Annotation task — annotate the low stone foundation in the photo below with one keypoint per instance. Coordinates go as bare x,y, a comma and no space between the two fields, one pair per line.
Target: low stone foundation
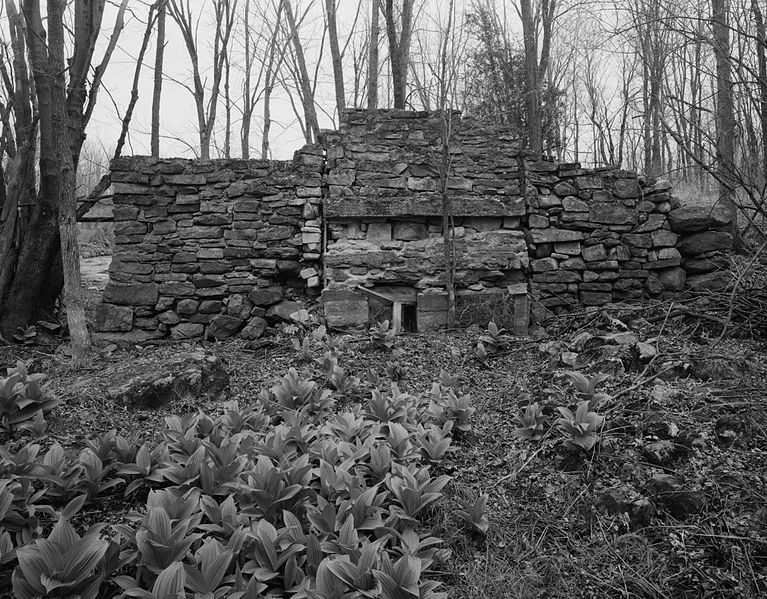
221,248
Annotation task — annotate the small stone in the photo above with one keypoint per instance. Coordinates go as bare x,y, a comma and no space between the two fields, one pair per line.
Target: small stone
406,231
187,307
379,232
187,330
564,189
626,188
265,297
573,204
254,329
211,307
571,248
111,318
543,265
691,219
664,238
131,294
223,327
169,318
283,310
707,241
594,253
538,221
673,279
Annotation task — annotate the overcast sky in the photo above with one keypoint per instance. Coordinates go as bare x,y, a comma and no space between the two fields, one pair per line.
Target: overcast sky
178,118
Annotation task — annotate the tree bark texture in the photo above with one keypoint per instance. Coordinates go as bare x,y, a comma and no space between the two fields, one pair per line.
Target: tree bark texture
375,31
399,48
159,59
67,204
306,92
725,110
335,54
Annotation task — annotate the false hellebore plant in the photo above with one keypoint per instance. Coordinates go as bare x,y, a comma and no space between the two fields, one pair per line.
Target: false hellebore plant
581,426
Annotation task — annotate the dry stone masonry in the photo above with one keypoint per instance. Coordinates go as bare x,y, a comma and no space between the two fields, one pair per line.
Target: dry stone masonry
384,205
211,247
219,248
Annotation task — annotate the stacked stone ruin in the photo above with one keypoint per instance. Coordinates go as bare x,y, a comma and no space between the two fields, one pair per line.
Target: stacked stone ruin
211,247
217,248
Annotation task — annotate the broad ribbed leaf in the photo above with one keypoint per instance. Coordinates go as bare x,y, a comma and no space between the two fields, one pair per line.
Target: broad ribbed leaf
170,582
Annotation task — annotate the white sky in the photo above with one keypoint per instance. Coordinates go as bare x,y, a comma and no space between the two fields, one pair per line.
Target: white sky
178,119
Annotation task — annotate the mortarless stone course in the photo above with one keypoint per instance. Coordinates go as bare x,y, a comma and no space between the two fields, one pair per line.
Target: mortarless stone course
218,248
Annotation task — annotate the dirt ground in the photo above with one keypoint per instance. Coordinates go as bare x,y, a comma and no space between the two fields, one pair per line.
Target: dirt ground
670,502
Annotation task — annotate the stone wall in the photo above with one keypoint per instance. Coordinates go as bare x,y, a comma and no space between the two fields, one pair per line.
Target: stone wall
384,211
608,235
211,247
217,248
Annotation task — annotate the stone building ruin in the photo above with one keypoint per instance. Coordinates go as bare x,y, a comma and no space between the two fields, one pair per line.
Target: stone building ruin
218,248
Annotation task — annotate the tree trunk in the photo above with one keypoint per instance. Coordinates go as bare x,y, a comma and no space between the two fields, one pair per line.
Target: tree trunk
306,91
29,294
399,49
373,60
761,49
157,89
136,77
73,294
335,53
725,111
247,104
535,68
269,78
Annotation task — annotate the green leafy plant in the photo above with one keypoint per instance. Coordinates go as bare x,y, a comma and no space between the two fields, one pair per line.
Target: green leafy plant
381,336
586,387
435,441
147,469
62,565
473,513
458,408
295,393
207,577
22,396
530,423
494,339
581,427
162,541
95,477
303,348
169,584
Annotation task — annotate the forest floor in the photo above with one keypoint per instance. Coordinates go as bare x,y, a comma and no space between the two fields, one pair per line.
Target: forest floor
670,502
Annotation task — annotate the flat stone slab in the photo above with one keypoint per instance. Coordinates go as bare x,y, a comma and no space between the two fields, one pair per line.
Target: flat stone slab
423,204
194,375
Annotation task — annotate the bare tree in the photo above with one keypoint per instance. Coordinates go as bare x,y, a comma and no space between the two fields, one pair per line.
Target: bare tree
43,253
158,78
373,57
301,75
536,66
725,122
224,10
335,53
399,35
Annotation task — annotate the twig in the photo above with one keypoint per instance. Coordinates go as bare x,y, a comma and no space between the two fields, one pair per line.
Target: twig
735,290
642,382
